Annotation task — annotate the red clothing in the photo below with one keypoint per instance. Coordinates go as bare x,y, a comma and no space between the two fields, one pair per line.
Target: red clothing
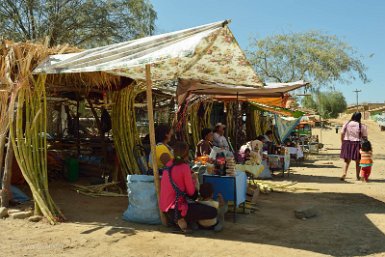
365,172
181,174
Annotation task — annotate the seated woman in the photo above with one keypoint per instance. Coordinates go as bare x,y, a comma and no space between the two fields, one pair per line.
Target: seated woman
206,144
164,153
175,190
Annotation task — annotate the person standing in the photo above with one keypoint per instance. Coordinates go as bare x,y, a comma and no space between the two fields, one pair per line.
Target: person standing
337,128
366,162
352,134
219,137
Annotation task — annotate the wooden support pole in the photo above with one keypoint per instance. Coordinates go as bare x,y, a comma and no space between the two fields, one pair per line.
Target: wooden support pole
151,127
2,147
78,125
6,180
236,128
101,133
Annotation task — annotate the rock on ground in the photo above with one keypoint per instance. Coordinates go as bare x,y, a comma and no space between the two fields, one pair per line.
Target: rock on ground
3,212
305,212
35,218
21,215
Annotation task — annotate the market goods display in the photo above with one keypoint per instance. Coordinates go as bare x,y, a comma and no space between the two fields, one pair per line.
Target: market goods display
230,166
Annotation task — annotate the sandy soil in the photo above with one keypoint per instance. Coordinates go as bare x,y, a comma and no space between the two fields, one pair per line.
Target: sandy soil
350,221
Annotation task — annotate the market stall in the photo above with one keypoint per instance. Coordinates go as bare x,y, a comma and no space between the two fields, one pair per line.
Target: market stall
155,61
198,56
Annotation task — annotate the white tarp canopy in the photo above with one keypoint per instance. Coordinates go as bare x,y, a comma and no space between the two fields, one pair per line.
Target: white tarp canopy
207,53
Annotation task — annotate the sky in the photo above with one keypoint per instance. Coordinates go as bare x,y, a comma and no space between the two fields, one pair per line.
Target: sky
360,23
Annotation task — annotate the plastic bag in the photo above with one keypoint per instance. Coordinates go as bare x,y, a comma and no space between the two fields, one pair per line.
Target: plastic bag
143,204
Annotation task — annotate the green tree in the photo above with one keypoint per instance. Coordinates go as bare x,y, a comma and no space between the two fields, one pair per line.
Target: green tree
85,23
309,102
313,56
328,104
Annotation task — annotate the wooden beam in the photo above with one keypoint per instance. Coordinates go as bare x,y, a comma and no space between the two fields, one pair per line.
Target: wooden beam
78,125
6,180
151,127
98,122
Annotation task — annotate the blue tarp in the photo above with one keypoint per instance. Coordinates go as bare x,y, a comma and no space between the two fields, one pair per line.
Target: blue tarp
285,126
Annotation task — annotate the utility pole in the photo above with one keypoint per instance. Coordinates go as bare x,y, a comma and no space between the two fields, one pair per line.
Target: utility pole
357,91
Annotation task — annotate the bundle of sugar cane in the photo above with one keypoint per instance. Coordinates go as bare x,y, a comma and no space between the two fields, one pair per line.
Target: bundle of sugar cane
267,187
230,119
206,122
30,145
124,128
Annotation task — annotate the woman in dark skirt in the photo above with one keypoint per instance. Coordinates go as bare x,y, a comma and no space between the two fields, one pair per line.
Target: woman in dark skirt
352,133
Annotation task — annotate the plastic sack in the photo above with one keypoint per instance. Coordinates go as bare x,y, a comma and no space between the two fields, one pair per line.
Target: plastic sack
266,173
18,195
143,204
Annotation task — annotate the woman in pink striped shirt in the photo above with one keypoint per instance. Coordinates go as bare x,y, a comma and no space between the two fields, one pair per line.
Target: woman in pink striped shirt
352,133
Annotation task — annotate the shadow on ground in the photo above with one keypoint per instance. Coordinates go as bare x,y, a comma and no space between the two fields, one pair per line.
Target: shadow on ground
351,233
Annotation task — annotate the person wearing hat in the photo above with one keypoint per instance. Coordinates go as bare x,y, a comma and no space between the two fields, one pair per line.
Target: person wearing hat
219,138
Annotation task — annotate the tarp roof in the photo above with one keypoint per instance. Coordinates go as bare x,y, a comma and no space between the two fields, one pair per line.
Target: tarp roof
230,92
208,53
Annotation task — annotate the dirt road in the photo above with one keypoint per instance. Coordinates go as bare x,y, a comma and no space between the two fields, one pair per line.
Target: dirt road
350,221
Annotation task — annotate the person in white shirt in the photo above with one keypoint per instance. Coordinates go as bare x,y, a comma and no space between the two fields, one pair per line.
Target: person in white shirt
219,138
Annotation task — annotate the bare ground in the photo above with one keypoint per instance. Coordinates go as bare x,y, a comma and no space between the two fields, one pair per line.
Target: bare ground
350,221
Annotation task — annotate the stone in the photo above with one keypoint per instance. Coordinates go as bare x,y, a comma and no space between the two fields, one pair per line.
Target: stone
305,212
3,212
10,211
21,215
35,218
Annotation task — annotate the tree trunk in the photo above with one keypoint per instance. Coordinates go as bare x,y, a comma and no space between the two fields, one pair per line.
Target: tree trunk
6,181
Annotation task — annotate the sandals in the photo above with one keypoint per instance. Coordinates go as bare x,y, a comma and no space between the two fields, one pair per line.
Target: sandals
182,224
343,178
182,231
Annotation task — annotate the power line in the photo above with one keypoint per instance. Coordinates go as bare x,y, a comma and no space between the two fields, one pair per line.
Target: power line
357,91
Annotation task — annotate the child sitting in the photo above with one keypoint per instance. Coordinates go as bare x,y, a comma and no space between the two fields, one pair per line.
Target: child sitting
206,192
366,161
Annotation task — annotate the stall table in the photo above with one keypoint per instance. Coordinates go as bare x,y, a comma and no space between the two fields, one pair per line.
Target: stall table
232,188
296,152
280,162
